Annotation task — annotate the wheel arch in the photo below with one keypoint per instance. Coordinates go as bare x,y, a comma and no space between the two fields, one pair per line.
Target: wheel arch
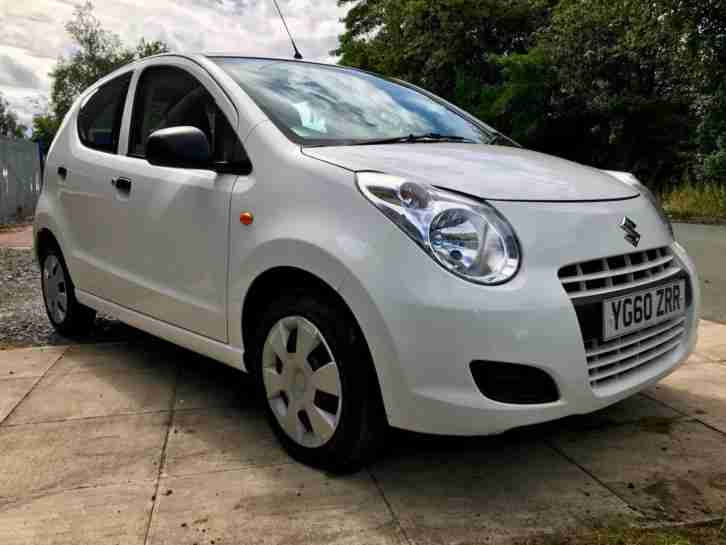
287,276
45,239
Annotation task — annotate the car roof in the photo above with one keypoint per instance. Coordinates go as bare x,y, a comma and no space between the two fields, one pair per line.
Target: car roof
213,55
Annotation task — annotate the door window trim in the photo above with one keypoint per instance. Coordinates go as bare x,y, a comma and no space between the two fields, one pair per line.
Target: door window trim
224,168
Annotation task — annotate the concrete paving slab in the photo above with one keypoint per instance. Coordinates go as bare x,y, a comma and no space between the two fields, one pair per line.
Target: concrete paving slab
11,392
94,394
696,389
28,362
281,504
672,471
205,383
449,490
221,439
712,340
118,357
116,514
89,452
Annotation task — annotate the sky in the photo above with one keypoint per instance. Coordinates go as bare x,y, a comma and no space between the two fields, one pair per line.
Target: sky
32,34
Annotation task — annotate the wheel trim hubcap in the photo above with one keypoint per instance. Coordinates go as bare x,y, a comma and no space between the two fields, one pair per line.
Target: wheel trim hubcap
56,289
302,381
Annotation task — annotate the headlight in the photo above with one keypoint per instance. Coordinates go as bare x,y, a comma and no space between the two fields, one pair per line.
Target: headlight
467,237
633,182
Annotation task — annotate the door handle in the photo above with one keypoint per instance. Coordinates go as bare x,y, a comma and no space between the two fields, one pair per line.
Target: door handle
62,172
122,185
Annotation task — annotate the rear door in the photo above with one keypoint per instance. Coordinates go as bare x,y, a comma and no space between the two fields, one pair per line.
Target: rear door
88,162
177,232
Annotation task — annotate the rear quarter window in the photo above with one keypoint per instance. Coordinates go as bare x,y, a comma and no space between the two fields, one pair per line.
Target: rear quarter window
99,119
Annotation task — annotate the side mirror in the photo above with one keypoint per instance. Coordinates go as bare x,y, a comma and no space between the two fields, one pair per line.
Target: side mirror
181,147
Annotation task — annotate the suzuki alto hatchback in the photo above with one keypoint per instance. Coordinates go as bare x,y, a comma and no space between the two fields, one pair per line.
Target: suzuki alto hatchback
371,254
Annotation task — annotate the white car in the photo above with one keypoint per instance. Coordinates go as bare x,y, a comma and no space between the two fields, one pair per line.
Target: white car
371,254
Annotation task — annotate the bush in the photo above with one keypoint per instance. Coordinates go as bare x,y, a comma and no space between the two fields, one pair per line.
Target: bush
696,200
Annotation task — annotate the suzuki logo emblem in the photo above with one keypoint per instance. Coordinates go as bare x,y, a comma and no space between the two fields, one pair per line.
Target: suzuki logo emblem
631,235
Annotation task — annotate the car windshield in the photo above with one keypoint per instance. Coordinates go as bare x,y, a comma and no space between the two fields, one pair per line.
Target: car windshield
327,105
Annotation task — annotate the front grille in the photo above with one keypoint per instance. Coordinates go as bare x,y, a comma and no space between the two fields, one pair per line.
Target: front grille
589,283
609,274
608,361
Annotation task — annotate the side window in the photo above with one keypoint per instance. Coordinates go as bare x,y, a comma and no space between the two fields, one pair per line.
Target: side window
99,120
170,97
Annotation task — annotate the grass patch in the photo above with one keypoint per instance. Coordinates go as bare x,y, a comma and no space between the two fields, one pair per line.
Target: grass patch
705,534
689,201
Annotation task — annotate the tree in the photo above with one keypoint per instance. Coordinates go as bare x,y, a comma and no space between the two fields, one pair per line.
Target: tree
98,52
633,82
521,104
9,125
446,46
45,126
709,39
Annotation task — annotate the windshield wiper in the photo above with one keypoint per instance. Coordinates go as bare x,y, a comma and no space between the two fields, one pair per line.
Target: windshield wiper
414,138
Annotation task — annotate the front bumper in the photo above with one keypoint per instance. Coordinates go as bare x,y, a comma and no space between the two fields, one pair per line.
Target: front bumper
432,325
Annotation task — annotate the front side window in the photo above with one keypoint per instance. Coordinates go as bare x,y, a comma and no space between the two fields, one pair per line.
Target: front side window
99,119
171,97
328,105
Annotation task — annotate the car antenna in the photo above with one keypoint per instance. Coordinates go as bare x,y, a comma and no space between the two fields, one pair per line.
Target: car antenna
297,54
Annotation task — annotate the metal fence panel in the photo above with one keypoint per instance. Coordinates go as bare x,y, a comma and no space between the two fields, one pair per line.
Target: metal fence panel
20,178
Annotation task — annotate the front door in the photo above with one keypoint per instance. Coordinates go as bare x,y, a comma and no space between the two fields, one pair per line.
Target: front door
177,236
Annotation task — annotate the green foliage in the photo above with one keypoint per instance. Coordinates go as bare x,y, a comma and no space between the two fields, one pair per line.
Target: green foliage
9,125
712,136
434,43
626,73
715,163
45,126
98,52
520,104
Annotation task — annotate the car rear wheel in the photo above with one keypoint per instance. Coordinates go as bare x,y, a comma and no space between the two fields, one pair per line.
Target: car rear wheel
314,371
68,316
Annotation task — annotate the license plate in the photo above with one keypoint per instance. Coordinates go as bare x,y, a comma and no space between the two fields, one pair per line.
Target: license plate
622,315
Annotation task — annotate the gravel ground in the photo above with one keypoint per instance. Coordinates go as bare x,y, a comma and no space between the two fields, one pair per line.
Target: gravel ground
23,321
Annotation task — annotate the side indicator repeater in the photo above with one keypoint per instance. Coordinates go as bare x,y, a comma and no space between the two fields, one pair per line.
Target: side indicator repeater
246,218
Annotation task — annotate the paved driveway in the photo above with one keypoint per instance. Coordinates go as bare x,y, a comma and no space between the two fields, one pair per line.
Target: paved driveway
16,237
148,443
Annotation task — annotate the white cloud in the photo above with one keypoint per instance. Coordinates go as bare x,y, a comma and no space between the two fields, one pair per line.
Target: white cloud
33,36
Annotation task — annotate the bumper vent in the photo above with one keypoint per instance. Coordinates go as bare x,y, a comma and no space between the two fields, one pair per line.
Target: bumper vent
514,383
589,283
610,274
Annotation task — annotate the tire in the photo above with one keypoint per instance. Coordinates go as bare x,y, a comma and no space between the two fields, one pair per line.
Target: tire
340,436
69,317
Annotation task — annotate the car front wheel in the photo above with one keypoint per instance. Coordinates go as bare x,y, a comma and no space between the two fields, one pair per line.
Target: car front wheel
318,381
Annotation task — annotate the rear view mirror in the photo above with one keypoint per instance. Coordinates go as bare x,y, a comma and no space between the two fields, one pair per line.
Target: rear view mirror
181,147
